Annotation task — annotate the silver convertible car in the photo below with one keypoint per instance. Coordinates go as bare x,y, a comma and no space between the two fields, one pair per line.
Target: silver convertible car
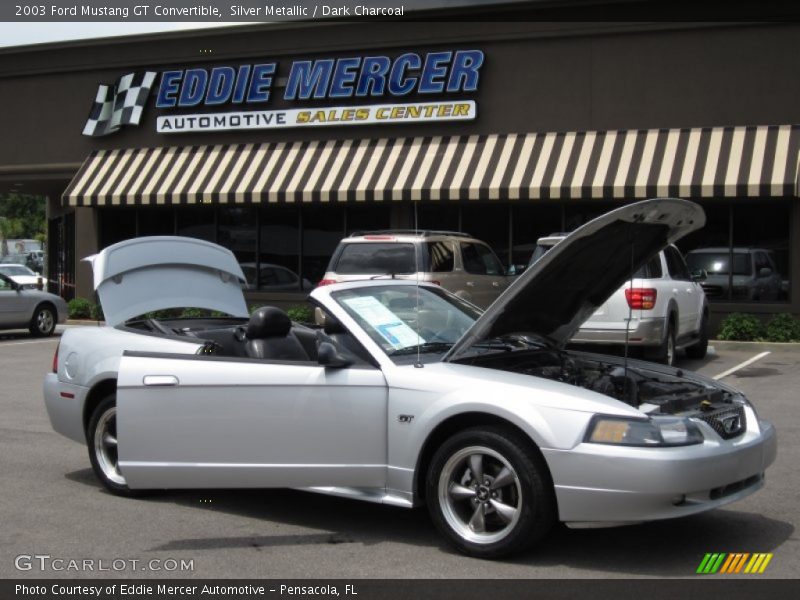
407,395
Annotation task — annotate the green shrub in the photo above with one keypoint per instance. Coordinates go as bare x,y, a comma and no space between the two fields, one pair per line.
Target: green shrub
741,327
194,313
783,328
302,313
80,308
97,312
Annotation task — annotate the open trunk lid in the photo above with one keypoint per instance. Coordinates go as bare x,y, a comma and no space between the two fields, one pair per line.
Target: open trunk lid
144,274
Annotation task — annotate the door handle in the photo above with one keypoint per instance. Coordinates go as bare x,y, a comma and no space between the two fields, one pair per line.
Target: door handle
160,380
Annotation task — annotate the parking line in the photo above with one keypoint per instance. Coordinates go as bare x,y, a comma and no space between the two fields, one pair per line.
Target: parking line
3,344
746,363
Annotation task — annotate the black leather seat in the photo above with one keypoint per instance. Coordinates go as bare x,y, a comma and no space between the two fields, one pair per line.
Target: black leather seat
344,339
269,336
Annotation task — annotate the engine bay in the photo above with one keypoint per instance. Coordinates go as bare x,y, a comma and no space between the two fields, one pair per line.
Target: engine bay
649,391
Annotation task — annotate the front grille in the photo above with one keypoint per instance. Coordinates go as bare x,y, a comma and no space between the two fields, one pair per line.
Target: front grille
727,422
732,488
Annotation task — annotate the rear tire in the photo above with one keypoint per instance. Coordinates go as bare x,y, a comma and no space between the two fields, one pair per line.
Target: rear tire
101,438
665,353
489,493
699,350
43,322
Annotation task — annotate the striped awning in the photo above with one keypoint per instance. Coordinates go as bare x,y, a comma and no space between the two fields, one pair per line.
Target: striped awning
689,163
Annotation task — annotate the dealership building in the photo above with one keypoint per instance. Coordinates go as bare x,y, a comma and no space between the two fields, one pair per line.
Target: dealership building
277,140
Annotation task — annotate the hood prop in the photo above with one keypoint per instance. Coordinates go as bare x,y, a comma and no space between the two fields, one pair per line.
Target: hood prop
628,328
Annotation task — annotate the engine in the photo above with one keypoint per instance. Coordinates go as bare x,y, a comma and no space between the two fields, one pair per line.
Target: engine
648,391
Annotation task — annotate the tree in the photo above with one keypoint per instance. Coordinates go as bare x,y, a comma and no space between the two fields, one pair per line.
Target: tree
21,216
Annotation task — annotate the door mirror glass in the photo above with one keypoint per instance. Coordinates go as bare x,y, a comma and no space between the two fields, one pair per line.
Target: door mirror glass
764,272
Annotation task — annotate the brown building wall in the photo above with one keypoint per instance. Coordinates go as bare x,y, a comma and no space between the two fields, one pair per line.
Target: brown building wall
535,78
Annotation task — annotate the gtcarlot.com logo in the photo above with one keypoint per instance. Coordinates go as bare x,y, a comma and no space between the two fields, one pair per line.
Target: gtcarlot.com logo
45,562
734,563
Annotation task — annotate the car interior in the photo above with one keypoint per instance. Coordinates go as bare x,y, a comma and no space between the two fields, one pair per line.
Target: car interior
269,334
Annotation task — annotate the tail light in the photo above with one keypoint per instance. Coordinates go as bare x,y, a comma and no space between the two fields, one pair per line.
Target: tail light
55,359
641,298
326,282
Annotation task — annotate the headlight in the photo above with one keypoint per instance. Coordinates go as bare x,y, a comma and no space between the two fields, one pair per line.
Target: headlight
656,431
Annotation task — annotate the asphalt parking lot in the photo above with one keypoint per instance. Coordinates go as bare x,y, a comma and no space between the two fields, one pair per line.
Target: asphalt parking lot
51,504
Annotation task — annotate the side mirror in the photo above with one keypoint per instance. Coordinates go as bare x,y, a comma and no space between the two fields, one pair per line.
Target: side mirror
699,275
329,356
764,272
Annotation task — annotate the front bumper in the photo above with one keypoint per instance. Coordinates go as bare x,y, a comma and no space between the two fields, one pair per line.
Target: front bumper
643,332
603,483
64,403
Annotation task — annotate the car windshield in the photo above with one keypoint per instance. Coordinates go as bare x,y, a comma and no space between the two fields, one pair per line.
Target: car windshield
16,270
718,263
403,320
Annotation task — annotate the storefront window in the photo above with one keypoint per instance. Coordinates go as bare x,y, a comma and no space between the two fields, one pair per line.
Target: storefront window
744,251
156,221
531,222
116,224
488,223
440,216
237,232
197,222
367,218
279,250
323,228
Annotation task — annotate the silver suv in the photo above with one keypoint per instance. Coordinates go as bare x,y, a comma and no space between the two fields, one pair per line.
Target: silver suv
458,262
665,304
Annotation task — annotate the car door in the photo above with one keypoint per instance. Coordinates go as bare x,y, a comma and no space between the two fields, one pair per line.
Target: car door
14,304
204,421
484,275
687,293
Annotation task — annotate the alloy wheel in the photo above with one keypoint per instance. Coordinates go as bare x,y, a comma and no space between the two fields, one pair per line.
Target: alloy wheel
480,495
106,446
45,321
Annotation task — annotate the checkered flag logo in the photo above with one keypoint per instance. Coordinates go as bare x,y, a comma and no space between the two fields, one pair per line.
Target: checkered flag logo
120,104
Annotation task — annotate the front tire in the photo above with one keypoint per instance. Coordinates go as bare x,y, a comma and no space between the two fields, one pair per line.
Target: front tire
43,322
698,351
101,437
489,493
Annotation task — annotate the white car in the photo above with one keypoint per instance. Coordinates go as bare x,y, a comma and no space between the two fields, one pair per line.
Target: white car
659,309
23,276
409,395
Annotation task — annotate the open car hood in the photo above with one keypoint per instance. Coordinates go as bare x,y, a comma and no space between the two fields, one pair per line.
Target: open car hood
154,273
563,288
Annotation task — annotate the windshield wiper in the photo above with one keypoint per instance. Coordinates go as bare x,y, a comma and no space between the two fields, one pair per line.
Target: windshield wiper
423,348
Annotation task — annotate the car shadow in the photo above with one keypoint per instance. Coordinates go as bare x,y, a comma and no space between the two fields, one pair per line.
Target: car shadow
13,335
674,547
662,548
